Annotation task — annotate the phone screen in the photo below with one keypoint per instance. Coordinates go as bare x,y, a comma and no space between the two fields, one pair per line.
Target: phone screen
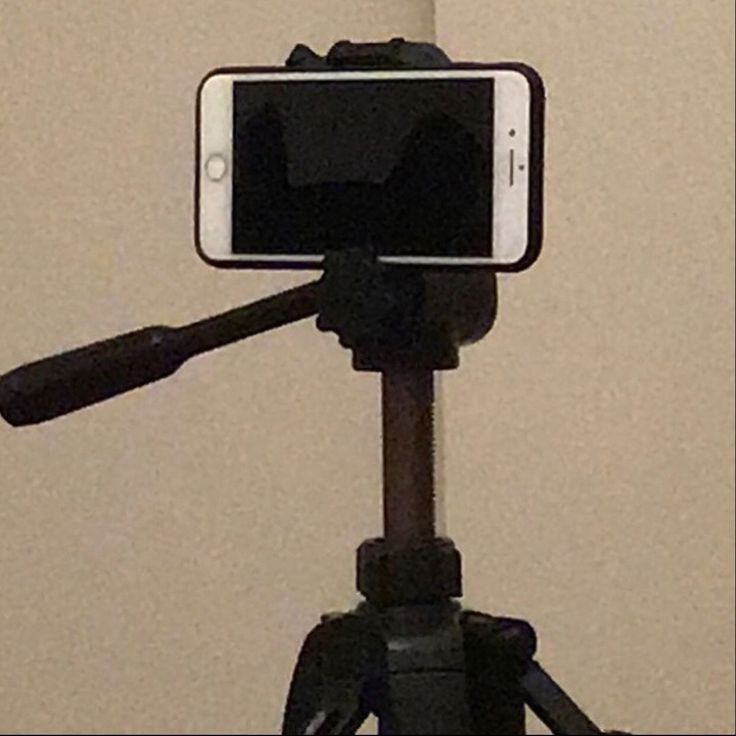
404,167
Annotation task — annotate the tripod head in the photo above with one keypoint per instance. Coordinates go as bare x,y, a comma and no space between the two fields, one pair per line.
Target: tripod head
389,319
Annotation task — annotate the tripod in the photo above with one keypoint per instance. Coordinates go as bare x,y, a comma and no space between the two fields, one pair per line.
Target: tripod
409,653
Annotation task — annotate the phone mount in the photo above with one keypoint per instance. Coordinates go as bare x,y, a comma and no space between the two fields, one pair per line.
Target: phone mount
409,653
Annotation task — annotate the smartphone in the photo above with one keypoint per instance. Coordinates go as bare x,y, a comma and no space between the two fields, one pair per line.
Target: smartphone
428,167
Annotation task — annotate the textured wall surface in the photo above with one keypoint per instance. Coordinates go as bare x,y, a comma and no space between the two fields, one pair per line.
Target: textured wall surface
163,555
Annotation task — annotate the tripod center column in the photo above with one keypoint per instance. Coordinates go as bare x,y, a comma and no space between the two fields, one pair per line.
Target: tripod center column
408,456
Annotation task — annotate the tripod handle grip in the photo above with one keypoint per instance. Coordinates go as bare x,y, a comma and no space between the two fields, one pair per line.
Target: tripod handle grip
62,383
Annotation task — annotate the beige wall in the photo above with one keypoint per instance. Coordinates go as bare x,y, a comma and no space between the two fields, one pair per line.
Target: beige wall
162,556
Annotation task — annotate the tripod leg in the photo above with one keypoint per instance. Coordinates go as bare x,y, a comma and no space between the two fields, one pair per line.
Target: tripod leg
495,650
327,690
503,677
552,705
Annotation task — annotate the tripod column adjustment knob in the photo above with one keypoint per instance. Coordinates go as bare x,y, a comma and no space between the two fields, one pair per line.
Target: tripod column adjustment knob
424,573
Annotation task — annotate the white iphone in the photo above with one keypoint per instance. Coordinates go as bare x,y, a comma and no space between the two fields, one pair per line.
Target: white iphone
438,167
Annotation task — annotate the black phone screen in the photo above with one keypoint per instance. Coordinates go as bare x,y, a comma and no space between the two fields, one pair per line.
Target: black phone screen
404,167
